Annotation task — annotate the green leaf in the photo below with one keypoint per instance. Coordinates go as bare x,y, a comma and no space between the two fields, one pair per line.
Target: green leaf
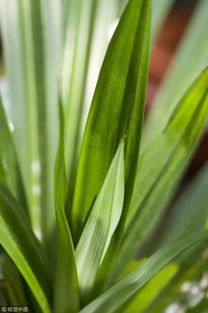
189,213
161,166
83,14
123,290
101,223
189,60
24,249
193,264
7,241
12,41
13,282
10,166
117,109
143,298
66,297
50,46
29,51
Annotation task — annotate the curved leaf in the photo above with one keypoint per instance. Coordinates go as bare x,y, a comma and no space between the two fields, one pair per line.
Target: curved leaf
161,166
9,244
123,290
189,60
22,243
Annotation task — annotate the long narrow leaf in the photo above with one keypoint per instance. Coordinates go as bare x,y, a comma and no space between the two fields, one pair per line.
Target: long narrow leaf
13,281
113,298
12,40
66,297
50,46
101,223
189,60
190,212
14,221
162,164
143,298
7,241
83,14
117,109
10,162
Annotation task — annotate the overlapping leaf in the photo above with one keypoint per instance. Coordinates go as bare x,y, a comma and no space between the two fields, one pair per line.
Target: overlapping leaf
189,60
10,167
190,212
101,223
24,249
123,290
116,110
29,51
143,298
66,293
162,164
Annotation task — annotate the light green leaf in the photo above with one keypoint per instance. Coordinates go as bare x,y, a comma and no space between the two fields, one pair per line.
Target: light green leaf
7,241
66,297
24,249
12,40
193,264
10,166
101,223
143,298
83,14
190,212
123,290
161,166
190,59
117,109
29,51
50,46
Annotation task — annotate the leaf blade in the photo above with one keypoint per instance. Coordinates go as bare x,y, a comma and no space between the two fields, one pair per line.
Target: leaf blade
165,160
14,219
66,293
193,50
101,224
15,253
109,118
113,298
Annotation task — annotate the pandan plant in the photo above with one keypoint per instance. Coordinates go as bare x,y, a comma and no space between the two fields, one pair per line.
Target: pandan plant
81,203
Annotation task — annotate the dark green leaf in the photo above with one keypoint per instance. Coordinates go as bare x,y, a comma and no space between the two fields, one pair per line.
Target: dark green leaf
24,249
117,109
66,297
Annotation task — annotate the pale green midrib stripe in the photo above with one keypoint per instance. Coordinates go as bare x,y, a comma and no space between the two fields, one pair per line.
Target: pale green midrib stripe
77,137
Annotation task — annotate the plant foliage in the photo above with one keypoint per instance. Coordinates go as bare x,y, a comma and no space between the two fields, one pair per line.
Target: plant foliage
81,197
